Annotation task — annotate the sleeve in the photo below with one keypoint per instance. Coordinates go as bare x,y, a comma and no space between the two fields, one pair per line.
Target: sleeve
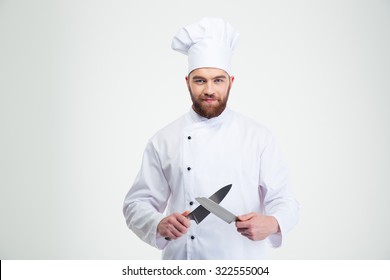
275,190
146,200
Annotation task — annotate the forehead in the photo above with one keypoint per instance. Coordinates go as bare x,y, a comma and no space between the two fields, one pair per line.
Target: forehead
208,72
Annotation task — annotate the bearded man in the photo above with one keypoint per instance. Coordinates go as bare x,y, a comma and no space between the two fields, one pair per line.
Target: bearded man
209,147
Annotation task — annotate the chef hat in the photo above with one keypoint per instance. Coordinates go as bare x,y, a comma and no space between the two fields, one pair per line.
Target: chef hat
208,43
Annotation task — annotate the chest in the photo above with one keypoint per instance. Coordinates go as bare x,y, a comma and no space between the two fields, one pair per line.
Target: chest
220,154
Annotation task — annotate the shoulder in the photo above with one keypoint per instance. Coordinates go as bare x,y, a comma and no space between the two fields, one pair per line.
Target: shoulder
257,134
170,131
250,125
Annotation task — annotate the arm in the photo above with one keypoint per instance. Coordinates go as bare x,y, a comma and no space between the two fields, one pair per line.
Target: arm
147,199
280,207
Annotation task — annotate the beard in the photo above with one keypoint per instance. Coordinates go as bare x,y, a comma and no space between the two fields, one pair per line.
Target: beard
209,110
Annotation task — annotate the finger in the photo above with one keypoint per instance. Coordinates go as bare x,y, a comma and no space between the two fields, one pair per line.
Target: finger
241,230
171,227
183,220
242,225
178,229
176,233
185,213
181,223
246,217
174,230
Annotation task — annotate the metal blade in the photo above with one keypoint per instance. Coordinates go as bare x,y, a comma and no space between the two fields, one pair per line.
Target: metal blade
216,209
200,212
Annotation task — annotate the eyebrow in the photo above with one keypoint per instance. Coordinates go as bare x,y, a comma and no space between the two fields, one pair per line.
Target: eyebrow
203,78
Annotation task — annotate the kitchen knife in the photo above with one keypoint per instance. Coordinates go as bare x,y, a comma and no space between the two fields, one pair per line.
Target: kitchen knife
216,209
200,212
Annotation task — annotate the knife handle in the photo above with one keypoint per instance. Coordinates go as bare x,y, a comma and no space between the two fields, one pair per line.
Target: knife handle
185,214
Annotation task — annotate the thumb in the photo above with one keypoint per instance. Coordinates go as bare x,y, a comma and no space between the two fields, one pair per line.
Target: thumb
185,213
246,217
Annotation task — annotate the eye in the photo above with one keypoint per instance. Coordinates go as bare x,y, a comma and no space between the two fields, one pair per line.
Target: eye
218,81
199,81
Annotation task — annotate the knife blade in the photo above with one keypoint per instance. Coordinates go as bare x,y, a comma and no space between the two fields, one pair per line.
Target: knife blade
200,212
217,209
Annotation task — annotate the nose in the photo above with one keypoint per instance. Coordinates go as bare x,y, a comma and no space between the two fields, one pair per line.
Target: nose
209,89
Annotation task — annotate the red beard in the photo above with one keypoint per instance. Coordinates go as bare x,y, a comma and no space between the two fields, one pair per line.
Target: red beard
209,110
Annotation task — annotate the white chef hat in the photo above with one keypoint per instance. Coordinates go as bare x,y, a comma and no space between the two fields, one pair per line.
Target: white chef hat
208,43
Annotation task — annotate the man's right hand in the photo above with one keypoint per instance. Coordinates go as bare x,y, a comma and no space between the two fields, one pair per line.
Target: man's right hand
174,225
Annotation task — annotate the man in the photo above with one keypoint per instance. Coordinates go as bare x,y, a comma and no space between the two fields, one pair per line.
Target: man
204,150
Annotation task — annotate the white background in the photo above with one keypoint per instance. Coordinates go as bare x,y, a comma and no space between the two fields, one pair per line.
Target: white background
84,84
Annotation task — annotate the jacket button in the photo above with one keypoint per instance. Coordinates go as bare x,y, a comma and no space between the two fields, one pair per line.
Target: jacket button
188,168
192,237
191,202
189,137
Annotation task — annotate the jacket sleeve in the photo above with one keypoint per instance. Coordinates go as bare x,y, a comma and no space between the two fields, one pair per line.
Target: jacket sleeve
276,191
146,200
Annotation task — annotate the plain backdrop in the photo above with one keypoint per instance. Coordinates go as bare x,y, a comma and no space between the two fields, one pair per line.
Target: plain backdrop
84,85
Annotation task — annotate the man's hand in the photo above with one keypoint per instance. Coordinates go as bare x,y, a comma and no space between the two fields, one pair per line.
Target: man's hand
174,225
256,226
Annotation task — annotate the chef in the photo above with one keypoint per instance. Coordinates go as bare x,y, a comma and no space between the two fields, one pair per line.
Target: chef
209,147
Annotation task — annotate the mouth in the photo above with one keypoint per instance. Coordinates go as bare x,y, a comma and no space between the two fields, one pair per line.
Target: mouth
209,100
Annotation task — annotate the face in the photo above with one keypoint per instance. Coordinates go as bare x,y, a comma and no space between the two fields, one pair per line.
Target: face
209,89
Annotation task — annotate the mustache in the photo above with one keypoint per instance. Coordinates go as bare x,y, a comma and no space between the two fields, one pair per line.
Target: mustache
208,96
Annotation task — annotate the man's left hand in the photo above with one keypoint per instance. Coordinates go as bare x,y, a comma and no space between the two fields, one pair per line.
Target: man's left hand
256,226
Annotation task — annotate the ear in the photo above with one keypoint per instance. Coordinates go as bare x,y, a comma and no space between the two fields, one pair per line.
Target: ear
187,82
231,79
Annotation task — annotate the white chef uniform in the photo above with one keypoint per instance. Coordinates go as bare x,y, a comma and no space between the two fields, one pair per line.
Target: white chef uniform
194,157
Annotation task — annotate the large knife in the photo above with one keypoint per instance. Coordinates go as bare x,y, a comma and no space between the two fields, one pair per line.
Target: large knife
200,212
217,209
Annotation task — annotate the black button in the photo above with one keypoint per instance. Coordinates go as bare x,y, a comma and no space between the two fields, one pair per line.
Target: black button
192,237
191,202
189,137
188,168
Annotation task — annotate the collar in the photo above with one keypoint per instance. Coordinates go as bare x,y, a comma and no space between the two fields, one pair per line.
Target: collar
196,118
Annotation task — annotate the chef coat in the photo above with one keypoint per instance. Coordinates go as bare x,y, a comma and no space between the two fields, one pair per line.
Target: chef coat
194,157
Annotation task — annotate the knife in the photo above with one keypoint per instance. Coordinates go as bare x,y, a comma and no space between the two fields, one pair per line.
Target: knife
200,212
217,209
